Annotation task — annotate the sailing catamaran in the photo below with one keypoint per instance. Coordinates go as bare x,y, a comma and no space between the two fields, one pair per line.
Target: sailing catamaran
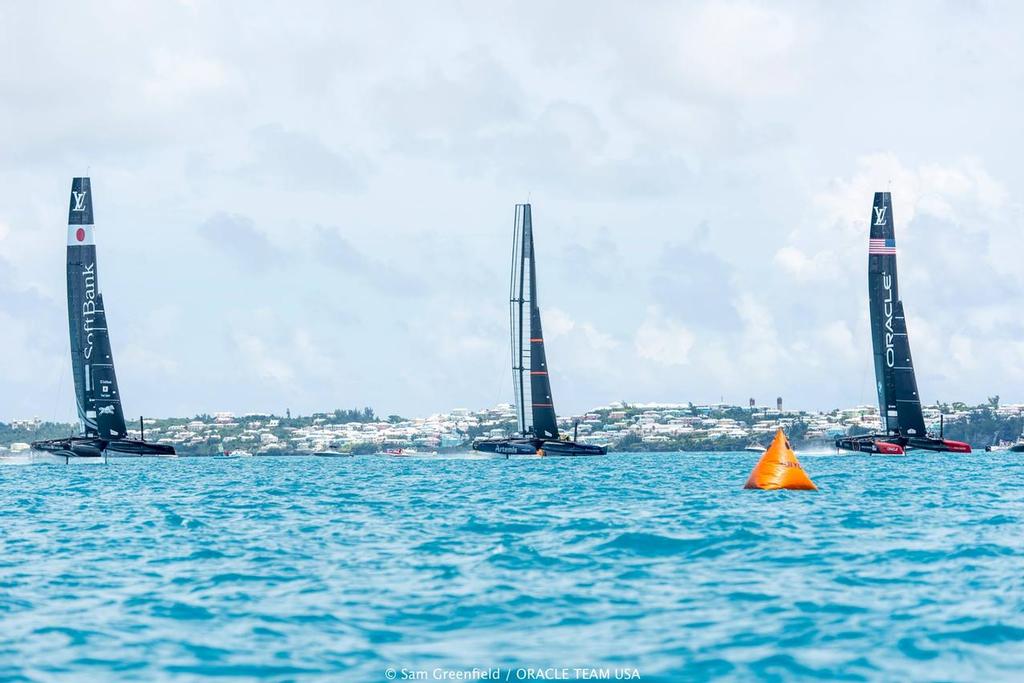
898,401
535,411
96,394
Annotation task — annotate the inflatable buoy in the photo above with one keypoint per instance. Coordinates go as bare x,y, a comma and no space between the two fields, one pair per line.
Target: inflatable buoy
778,468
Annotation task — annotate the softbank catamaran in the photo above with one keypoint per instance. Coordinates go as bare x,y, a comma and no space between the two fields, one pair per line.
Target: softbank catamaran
96,394
535,411
898,400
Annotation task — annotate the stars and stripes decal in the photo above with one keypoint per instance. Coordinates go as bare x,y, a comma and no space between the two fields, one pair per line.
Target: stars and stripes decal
881,247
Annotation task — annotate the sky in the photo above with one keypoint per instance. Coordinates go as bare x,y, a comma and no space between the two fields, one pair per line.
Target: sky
309,205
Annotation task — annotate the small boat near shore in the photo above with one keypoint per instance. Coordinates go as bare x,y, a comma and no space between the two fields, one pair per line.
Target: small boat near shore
331,454
404,453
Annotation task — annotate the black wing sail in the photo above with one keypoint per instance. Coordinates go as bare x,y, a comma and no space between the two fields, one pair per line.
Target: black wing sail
898,400
534,408
908,403
96,393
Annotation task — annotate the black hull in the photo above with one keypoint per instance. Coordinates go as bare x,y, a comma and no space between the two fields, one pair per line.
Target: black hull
547,448
139,448
95,447
571,449
887,444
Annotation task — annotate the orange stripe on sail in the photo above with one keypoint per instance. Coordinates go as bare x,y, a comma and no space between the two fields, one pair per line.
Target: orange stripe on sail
538,372
536,340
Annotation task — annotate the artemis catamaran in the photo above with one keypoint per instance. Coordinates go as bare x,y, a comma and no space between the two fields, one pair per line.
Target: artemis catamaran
96,393
898,401
535,410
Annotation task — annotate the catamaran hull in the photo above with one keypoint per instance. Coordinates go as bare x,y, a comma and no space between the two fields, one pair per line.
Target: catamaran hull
93,447
884,444
541,447
571,449
34,457
507,446
130,448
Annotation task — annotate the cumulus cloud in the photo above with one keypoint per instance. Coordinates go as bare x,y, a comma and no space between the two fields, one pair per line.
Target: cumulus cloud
238,237
663,340
335,251
301,161
701,175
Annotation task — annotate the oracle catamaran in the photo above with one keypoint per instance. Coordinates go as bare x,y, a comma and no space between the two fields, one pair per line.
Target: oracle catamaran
101,419
535,411
898,401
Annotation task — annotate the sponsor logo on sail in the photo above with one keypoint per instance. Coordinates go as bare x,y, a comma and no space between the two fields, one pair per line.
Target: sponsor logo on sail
887,309
79,198
106,410
880,215
89,309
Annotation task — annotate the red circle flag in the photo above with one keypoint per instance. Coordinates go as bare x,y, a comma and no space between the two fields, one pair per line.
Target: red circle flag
80,235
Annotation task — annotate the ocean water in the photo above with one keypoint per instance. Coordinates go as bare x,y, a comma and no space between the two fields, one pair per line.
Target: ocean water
341,569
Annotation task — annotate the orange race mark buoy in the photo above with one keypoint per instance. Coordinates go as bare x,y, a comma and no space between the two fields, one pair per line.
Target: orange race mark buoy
778,468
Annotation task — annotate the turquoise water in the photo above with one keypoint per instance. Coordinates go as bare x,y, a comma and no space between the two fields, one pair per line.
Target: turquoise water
337,569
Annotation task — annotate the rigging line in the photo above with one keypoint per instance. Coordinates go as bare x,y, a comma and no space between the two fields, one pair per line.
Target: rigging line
500,392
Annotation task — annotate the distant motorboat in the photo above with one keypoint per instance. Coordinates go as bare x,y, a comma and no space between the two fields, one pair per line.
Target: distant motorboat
404,452
754,448
332,454
239,453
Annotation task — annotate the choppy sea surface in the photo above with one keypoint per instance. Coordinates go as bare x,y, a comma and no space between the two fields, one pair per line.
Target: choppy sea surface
341,569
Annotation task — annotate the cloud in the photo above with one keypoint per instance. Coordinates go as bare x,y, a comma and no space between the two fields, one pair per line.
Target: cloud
257,356
177,77
238,237
741,49
339,254
699,171
691,281
663,340
301,161
585,335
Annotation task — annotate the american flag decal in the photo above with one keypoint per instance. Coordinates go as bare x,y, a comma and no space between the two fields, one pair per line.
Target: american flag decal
881,247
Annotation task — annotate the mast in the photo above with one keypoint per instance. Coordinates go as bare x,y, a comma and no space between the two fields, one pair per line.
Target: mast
535,410
96,394
898,401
